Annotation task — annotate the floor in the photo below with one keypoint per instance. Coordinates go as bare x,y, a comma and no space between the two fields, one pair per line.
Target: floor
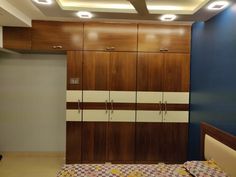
30,165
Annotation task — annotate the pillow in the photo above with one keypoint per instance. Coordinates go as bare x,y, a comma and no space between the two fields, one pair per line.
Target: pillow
204,169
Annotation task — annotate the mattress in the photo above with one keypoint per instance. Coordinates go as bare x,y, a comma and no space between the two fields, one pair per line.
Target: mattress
123,170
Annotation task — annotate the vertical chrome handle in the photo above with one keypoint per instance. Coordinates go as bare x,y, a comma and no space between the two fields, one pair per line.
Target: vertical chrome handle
106,106
160,108
165,107
78,105
112,109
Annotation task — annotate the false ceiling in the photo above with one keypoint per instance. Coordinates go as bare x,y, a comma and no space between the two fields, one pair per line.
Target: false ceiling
125,6
187,11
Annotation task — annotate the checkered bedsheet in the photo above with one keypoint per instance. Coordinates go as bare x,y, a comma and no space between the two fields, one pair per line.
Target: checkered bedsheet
123,170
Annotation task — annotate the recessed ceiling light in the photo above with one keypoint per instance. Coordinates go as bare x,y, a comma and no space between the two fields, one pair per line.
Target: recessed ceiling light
218,5
168,17
84,14
43,2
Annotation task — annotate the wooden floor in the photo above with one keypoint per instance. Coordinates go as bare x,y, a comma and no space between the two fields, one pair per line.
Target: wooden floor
30,165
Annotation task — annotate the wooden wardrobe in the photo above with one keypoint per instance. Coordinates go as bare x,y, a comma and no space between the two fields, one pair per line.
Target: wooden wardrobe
127,98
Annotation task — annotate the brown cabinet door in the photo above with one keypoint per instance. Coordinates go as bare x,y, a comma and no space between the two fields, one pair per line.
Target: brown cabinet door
118,37
123,71
175,142
96,70
57,36
74,70
177,72
121,142
73,142
150,71
153,38
149,142
17,38
94,144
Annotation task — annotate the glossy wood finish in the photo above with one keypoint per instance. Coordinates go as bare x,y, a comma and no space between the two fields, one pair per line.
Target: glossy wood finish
149,143
149,106
73,142
50,35
150,71
153,38
96,70
74,69
175,142
123,71
17,38
121,142
219,135
176,107
177,72
100,36
94,144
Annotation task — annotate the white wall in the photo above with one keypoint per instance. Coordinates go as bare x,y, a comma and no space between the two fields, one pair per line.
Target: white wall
1,37
32,102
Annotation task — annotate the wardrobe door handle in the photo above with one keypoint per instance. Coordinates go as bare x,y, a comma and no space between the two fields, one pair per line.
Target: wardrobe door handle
165,107
112,109
112,48
164,49
106,106
160,108
57,47
79,106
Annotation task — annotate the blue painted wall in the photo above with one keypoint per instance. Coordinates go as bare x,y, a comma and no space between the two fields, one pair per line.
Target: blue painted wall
213,76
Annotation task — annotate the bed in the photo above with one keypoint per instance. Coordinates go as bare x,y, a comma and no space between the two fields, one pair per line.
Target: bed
218,151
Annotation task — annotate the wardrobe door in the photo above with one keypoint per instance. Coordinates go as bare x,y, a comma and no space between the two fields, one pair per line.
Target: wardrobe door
95,106
123,71
121,131
121,142
175,142
167,38
74,70
150,71
149,142
74,107
177,72
96,70
94,144
149,87
56,36
110,36
73,142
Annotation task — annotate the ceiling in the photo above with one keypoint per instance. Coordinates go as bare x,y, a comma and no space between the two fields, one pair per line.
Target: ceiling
21,12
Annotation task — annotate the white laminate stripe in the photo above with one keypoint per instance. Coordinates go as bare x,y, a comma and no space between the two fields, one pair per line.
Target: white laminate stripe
176,116
149,116
73,115
73,95
176,97
95,115
122,116
123,96
149,97
95,96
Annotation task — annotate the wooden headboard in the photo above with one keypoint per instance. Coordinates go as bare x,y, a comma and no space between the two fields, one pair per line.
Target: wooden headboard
224,137
219,146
